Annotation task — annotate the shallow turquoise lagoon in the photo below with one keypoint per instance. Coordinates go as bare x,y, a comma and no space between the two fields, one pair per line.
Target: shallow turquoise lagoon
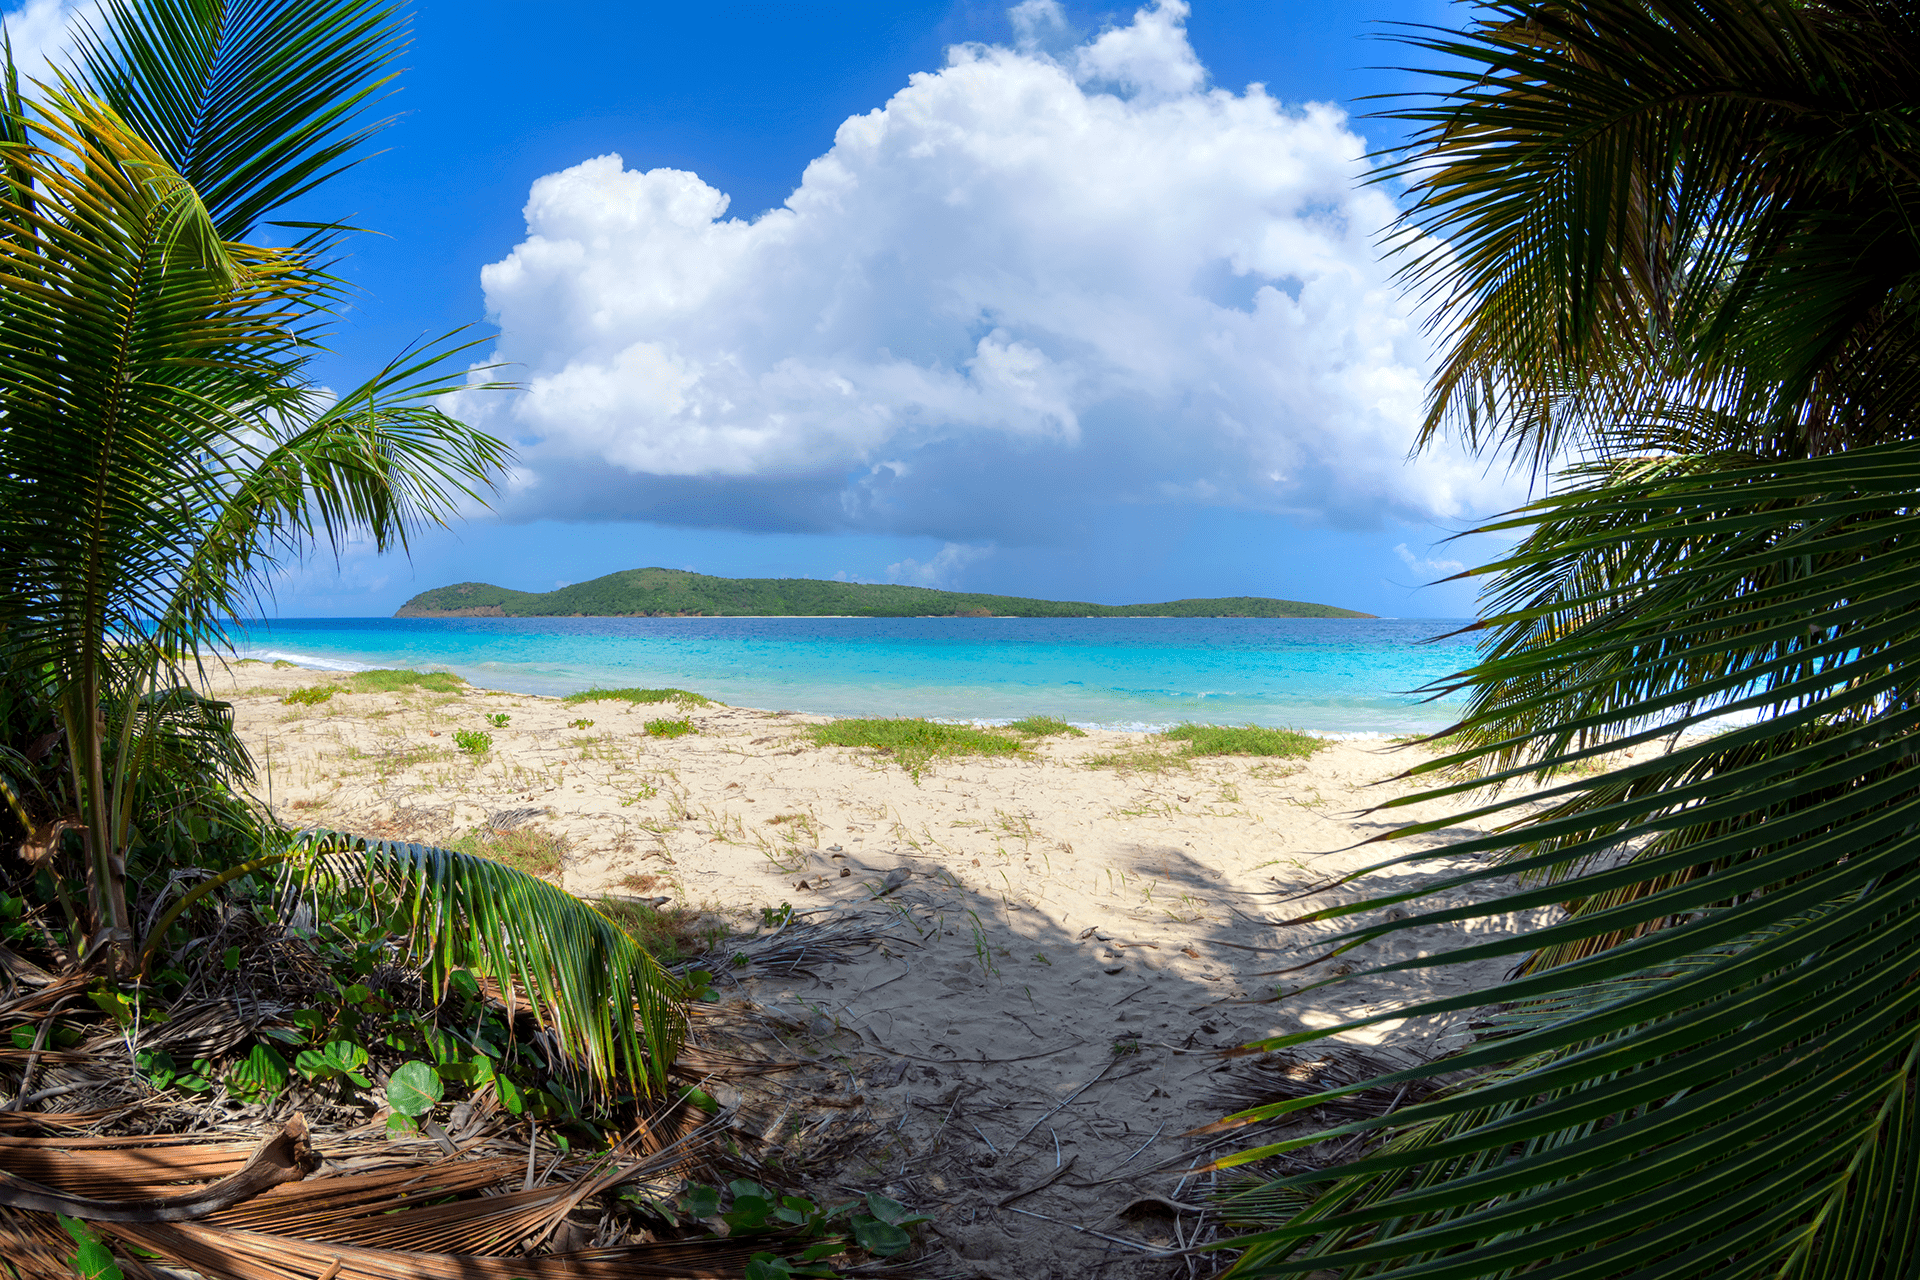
1355,676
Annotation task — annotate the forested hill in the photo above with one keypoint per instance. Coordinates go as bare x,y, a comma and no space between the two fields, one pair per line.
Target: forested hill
673,592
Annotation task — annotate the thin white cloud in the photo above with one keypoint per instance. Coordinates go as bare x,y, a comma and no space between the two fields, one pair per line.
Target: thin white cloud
942,569
1428,567
1030,282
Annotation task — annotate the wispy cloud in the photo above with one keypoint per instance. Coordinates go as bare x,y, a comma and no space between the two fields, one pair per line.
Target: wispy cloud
941,569
1427,567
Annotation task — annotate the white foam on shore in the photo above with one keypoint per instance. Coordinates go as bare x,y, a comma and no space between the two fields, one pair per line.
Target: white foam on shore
300,659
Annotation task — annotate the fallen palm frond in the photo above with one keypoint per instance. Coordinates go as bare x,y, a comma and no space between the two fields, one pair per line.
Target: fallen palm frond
250,1255
285,1157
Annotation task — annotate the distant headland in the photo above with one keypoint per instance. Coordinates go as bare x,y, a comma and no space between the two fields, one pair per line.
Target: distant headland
670,593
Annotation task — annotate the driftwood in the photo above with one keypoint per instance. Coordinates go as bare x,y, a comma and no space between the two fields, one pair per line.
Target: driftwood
285,1157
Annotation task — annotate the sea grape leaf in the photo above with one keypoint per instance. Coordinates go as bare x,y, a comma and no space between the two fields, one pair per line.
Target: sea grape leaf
882,1239
92,1260
414,1088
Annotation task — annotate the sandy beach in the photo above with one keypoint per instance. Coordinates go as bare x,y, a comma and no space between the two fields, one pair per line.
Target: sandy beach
1059,946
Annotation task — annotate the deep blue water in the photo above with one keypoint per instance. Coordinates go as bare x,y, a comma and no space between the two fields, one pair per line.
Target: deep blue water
1330,675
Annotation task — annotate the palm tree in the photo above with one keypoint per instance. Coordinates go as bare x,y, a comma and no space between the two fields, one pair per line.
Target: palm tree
164,449
1681,248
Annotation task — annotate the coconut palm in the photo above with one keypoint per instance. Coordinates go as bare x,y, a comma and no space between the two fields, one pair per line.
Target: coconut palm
1681,247
165,449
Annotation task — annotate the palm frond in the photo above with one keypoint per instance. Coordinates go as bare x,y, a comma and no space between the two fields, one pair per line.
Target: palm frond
605,998
1711,1070
254,102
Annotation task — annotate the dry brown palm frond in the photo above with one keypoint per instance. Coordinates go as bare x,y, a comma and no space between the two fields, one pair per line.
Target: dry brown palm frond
251,1255
696,1062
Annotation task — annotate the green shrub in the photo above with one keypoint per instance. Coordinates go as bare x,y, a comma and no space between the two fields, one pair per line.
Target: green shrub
311,696
912,742
394,680
1045,726
681,696
499,719
1247,740
473,741
668,728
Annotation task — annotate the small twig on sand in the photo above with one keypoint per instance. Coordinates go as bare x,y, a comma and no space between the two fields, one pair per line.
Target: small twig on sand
1076,1093
1147,1249
1058,1173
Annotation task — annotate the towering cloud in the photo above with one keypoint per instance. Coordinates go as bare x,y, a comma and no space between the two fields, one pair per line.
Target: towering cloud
1039,278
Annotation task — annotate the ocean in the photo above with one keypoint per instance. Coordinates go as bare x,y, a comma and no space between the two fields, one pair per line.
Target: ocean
1343,676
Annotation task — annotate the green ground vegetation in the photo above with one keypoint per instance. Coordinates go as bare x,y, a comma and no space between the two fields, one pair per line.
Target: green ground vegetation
1045,727
914,743
396,680
1179,746
671,592
531,849
639,697
1243,740
666,728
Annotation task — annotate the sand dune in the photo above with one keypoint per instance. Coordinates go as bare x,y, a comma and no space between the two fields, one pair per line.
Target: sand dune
1046,923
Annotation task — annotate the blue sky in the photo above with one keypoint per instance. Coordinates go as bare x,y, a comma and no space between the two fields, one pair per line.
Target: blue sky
1039,300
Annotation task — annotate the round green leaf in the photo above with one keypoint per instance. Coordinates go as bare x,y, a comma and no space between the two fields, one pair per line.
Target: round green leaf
414,1088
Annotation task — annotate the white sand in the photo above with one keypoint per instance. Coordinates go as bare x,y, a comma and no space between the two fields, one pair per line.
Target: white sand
1048,909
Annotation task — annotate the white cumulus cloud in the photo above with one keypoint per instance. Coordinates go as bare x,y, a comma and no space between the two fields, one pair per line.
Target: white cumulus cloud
1030,282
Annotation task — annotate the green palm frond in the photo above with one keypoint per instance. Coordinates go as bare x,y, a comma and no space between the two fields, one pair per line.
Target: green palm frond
1715,1071
607,1000
253,102
1624,204
165,446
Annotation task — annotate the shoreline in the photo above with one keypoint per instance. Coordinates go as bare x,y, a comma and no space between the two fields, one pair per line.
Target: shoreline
348,667
1086,909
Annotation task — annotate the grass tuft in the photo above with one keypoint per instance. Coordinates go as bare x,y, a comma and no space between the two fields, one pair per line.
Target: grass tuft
1209,740
668,728
684,697
1246,740
529,849
394,680
913,743
1139,760
1045,726
668,933
311,696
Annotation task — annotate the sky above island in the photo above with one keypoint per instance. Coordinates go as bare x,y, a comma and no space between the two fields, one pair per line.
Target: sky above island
1054,299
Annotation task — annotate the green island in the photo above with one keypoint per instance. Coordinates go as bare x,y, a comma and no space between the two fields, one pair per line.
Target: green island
667,593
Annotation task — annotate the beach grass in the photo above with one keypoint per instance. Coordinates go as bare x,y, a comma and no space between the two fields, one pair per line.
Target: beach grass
668,728
912,742
395,680
1198,740
667,934
639,696
1044,727
1244,740
530,849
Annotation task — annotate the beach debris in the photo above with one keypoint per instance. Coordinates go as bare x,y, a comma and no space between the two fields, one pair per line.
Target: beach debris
1052,1176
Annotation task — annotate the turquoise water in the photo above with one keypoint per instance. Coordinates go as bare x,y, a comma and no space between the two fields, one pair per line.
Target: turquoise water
1328,675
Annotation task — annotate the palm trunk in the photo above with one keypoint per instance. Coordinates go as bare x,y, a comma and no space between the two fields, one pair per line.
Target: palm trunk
106,862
